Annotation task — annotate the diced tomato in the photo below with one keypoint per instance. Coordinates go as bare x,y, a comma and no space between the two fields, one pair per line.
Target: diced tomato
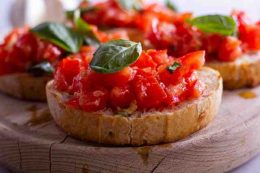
188,62
121,97
211,43
250,36
94,100
158,56
144,61
192,61
230,49
109,13
67,70
60,81
149,92
120,78
70,68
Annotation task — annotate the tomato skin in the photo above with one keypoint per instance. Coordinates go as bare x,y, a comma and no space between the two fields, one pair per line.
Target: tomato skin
250,36
159,56
178,39
144,61
189,63
230,49
121,97
211,43
67,70
149,92
94,100
105,15
120,78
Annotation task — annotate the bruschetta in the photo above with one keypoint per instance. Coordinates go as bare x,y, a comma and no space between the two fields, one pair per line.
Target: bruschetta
26,64
148,98
226,39
28,56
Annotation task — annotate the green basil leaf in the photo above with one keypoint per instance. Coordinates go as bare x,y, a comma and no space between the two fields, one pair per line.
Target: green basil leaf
59,35
173,67
43,68
115,55
219,24
130,4
85,29
171,5
70,13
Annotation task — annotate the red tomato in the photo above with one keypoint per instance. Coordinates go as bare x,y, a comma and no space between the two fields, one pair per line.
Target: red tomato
250,36
178,39
109,13
144,61
121,97
159,56
230,49
211,43
94,100
188,62
149,92
67,70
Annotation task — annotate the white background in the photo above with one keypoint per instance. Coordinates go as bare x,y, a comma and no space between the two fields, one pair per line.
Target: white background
252,7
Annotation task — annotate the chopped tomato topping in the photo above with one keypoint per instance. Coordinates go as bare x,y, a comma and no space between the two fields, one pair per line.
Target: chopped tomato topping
109,13
163,28
148,82
230,49
22,49
121,96
94,100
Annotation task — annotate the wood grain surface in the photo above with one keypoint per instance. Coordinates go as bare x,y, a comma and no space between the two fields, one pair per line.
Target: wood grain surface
31,142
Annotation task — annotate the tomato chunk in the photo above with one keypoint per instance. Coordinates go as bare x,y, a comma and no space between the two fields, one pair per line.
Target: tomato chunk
121,97
230,49
150,93
94,100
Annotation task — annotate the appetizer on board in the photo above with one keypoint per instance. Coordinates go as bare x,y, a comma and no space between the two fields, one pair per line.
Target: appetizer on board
122,95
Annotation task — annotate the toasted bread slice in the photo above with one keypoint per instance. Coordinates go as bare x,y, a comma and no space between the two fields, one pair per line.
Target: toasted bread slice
147,128
243,72
24,86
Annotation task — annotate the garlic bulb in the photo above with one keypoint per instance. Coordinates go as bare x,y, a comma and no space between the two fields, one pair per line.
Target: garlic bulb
33,12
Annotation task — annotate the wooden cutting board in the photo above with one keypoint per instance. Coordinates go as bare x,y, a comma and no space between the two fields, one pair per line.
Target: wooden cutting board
31,142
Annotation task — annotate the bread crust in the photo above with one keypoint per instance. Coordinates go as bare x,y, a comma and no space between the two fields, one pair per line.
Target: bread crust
243,72
148,128
24,86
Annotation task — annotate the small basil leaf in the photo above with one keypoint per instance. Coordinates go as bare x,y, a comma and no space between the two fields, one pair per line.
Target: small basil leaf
173,67
85,29
70,14
219,24
171,5
115,55
59,35
43,68
130,4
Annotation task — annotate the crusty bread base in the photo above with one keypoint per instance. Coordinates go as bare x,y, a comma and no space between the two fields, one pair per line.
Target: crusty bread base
152,127
24,86
244,72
